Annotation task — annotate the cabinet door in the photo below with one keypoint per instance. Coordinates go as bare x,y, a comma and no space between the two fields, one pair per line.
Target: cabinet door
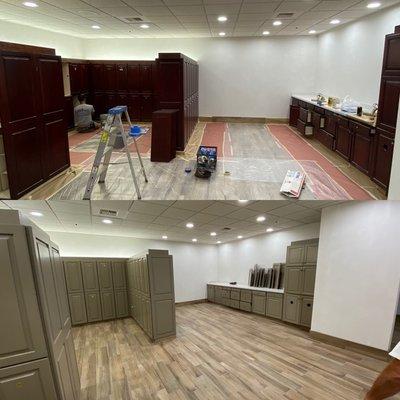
77,308
134,77
210,293
89,274
121,303
295,254
119,274
245,295
311,253
383,159
93,306
110,77
55,141
258,305
99,103
74,78
343,141
362,147
274,305
108,305
134,106
309,280
21,125
61,288
104,271
73,276
32,380
98,82
121,77
294,279
389,104
146,78
146,107
291,308
306,311
21,335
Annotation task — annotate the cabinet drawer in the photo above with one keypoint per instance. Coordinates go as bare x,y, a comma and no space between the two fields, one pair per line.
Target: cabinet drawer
325,138
245,295
244,306
304,115
319,110
301,126
295,102
259,293
235,294
341,121
360,129
302,104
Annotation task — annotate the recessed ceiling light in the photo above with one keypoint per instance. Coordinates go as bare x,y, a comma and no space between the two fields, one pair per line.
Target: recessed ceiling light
265,33
165,237
219,242
222,34
222,18
189,225
107,221
213,234
194,240
242,201
95,27
277,23
374,5
30,4
36,214
240,237
261,218
335,21
270,230
312,31
145,26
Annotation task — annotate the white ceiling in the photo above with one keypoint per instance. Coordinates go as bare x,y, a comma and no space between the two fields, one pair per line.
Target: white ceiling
185,18
153,219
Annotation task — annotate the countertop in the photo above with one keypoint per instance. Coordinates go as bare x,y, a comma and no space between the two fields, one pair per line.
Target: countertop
307,98
239,286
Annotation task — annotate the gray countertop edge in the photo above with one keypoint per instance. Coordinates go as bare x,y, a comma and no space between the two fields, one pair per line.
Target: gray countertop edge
241,286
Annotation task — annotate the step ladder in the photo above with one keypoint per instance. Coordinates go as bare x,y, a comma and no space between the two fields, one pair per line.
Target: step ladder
106,147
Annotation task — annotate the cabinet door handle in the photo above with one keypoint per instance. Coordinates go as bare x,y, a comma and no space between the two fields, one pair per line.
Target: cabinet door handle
308,305
291,301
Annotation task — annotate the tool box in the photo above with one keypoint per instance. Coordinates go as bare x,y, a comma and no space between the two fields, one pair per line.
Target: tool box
206,161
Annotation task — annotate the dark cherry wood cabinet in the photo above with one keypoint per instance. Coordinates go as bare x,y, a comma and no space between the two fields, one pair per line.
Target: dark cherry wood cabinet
32,112
69,111
79,78
163,137
362,146
387,110
177,88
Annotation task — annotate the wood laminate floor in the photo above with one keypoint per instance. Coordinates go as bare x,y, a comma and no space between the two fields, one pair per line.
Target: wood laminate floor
219,353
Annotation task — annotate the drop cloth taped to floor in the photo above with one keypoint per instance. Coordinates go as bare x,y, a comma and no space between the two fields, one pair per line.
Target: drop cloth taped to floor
252,163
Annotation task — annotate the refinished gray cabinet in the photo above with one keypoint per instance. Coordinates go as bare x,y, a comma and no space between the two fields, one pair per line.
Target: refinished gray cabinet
300,282
102,294
210,293
152,294
37,360
274,305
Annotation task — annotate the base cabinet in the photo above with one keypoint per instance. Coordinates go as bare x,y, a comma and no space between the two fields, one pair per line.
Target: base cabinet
274,306
32,380
291,309
306,311
93,307
210,293
259,303
77,307
107,305
121,304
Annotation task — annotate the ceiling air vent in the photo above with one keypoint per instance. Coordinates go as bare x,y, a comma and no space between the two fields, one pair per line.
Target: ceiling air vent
285,15
133,19
108,213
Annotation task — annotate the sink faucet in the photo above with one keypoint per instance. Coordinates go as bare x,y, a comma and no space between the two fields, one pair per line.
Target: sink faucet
374,110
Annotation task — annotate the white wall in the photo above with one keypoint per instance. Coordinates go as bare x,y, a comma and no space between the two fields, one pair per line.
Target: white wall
66,46
358,274
194,265
236,258
238,77
394,186
350,57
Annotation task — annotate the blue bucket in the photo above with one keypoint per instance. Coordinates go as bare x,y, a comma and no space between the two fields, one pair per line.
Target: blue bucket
136,130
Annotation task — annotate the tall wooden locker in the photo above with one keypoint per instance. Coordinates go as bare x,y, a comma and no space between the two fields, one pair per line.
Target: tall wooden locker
32,116
37,355
97,289
151,293
300,282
